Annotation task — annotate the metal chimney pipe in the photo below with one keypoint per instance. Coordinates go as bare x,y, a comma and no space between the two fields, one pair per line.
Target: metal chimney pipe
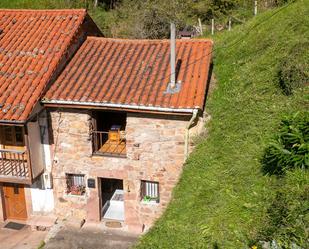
173,56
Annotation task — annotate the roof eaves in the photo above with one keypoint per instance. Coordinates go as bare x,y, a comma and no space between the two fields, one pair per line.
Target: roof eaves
122,106
21,122
126,40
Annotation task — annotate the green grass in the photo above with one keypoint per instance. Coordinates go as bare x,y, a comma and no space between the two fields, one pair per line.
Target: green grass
41,245
222,198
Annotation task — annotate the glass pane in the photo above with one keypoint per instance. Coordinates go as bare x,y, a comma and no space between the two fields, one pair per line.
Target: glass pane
19,135
8,134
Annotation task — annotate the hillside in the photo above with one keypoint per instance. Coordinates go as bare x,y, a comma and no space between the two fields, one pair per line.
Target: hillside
223,198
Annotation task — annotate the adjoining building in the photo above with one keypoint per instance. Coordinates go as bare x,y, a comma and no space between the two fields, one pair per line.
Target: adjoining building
34,48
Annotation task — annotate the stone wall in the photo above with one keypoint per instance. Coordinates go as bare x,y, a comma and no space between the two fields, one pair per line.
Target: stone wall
155,152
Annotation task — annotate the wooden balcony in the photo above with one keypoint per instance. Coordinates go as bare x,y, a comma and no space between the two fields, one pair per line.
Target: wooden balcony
109,143
14,166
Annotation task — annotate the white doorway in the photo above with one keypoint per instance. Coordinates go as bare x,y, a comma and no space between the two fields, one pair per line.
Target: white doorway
112,199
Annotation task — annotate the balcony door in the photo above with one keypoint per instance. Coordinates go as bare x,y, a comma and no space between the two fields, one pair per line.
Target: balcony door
14,202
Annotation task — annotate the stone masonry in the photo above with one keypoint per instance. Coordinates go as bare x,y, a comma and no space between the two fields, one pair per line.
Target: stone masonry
155,152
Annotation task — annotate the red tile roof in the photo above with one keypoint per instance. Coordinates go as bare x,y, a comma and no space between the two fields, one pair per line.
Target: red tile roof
32,43
134,74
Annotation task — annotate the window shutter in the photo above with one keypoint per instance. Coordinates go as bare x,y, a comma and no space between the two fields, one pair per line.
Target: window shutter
143,190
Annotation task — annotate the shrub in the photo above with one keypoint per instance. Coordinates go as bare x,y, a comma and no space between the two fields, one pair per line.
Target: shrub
288,214
290,148
282,2
293,70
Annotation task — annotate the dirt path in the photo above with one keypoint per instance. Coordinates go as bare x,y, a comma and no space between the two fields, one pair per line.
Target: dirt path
20,239
73,238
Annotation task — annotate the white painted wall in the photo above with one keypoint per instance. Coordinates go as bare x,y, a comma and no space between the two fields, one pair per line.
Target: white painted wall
36,148
42,198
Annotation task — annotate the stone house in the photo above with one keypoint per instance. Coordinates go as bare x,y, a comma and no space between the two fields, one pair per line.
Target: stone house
121,130
113,125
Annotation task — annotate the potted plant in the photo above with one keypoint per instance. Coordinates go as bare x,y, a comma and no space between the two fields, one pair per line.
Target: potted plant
149,199
77,190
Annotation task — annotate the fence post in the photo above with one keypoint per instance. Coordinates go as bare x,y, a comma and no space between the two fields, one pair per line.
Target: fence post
230,24
212,26
200,24
255,7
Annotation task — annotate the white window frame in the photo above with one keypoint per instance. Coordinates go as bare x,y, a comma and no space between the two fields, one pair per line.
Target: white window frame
150,191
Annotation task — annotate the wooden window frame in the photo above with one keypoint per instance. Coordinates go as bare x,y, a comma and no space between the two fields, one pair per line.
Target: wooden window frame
14,141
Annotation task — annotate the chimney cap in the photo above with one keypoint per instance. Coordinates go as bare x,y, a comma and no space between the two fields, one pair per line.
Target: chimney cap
187,32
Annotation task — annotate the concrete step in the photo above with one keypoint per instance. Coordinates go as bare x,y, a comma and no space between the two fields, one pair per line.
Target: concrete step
41,223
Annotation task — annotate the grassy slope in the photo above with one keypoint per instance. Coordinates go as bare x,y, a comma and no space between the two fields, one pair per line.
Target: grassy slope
222,197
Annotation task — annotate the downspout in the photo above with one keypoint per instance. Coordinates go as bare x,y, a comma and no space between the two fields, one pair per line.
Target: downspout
173,56
187,135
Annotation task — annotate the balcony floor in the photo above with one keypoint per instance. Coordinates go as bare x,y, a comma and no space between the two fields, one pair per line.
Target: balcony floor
112,148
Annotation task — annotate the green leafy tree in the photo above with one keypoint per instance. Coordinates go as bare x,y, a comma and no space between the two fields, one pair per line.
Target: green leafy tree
207,9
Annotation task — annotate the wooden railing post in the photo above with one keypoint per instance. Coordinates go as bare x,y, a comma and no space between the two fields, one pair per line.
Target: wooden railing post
29,166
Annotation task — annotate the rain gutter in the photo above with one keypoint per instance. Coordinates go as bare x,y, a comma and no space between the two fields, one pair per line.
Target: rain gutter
125,106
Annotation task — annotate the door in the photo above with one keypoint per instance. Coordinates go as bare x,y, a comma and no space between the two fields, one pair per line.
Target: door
14,201
112,199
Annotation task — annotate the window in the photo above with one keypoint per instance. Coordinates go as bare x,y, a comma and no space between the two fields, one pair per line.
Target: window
108,133
150,191
13,135
75,184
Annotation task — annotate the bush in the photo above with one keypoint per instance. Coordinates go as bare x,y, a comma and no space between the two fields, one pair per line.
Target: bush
290,148
282,2
293,70
287,219
288,215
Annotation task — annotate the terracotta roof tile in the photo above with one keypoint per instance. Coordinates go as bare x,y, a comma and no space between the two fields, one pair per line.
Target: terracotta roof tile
134,73
32,43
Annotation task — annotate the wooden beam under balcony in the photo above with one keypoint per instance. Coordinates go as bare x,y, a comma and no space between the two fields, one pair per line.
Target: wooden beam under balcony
14,166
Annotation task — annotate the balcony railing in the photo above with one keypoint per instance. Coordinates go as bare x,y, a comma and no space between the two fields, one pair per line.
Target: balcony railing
109,143
14,164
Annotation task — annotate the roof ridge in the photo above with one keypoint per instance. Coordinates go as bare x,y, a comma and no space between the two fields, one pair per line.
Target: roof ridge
43,10
148,40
